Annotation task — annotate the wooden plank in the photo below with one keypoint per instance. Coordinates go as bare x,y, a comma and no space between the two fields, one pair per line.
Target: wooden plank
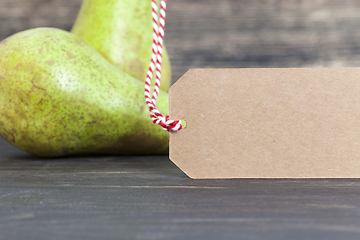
19,15
261,33
149,198
228,33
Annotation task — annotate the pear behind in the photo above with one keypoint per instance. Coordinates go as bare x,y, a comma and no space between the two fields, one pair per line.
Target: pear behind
121,30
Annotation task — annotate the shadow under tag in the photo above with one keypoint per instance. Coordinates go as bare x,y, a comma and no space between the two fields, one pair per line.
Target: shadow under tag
267,123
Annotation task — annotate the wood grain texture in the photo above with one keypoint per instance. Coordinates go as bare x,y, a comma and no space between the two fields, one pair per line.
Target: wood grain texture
262,33
148,197
19,15
228,33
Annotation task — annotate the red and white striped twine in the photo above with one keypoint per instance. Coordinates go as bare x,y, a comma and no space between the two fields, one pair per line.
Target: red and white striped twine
156,58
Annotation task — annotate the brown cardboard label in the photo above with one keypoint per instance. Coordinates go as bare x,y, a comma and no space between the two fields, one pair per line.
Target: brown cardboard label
267,123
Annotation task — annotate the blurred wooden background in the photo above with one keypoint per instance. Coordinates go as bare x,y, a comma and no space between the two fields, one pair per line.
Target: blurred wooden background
228,33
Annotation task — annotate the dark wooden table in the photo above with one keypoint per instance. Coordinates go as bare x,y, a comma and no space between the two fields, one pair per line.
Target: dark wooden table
150,198
137,197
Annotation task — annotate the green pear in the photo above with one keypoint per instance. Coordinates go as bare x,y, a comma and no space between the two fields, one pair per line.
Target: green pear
60,97
121,30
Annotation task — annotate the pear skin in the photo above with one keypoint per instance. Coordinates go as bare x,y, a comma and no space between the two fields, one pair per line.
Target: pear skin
60,97
121,30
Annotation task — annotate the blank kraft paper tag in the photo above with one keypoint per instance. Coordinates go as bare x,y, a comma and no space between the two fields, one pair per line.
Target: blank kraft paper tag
267,123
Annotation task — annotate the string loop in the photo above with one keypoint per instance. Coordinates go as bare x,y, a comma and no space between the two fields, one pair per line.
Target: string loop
156,59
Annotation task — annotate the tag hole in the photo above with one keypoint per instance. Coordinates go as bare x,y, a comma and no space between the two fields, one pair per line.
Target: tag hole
183,123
